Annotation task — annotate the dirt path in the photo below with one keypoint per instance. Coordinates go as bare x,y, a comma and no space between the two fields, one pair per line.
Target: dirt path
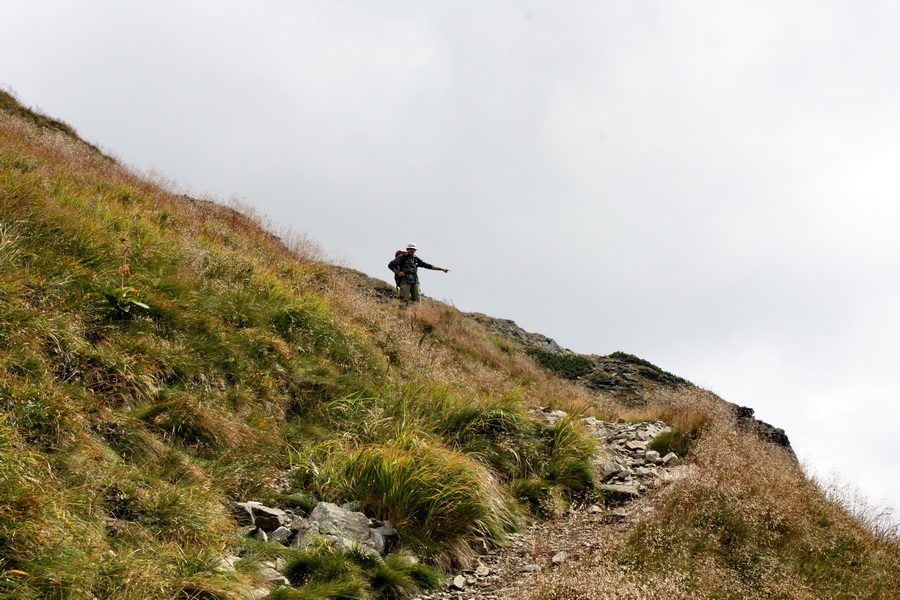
534,556
537,555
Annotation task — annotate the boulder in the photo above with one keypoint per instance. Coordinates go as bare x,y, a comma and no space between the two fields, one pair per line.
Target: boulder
281,535
273,577
341,527
268,518
671,460
606,466
255,513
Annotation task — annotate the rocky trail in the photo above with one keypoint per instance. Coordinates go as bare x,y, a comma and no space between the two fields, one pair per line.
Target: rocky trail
628,471
536,555
533,557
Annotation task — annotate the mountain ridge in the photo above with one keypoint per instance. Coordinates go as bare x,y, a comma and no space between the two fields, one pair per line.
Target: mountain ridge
161,356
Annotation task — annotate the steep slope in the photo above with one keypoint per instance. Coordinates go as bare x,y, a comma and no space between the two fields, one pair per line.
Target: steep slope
162,355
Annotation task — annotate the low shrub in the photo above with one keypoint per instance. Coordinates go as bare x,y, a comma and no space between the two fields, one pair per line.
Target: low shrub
570,366
631,358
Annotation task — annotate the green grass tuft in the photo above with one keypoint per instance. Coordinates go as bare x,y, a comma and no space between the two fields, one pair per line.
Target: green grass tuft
435,497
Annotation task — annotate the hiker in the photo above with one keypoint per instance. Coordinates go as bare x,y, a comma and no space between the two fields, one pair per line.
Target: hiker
404,267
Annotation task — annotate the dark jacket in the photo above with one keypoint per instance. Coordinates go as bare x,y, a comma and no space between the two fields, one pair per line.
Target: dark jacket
408,264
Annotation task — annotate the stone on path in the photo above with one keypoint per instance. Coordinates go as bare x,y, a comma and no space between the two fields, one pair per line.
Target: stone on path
671,460
626,492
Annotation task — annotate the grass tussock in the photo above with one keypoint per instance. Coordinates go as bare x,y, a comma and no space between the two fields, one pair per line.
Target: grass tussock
328,573
436,498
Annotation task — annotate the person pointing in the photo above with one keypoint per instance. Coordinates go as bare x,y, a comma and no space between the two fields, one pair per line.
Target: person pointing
405,268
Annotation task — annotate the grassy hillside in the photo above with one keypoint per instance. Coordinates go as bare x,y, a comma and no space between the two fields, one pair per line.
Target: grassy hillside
160,354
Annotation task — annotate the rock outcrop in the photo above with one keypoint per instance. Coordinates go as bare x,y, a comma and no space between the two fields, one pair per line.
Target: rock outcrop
507,328
746,421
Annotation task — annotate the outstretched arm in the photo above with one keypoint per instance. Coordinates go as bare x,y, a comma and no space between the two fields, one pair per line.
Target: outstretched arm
433,268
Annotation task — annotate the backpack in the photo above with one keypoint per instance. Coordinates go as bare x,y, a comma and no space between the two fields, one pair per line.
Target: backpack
397,255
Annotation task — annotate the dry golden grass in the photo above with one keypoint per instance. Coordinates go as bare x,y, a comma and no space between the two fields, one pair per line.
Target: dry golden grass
440,345
743,522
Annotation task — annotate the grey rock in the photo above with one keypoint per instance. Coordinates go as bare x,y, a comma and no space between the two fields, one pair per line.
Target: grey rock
671,460
241,512
259,535
343,528
299,524
281,535
274,577
226,564
606,466
377,541
530,568
559,558
481,547
615,516
258,593
508,328
459,583
262,516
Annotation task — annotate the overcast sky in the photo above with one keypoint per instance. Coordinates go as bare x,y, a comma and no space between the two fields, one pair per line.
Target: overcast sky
712,186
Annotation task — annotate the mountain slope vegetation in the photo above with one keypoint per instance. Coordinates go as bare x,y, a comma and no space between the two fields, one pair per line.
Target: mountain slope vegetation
160,355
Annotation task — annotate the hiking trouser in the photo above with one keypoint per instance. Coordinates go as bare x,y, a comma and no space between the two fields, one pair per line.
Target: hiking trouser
409,292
